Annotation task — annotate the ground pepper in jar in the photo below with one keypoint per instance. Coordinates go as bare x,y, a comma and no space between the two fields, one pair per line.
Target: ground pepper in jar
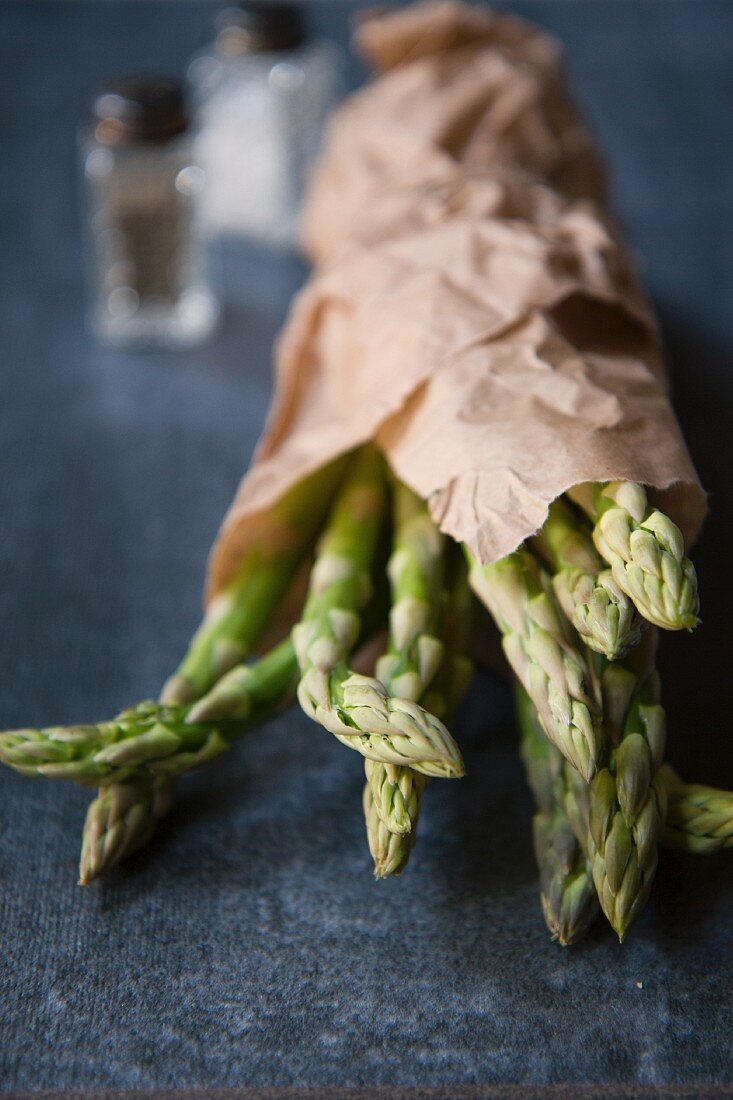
149,264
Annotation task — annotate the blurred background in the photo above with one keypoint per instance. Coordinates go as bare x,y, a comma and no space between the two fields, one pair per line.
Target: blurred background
147,263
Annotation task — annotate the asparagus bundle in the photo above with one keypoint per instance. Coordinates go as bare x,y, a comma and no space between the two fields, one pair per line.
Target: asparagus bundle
485,328
592,728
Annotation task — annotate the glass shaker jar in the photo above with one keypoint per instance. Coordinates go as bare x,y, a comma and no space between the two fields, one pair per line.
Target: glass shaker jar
261,94
148,264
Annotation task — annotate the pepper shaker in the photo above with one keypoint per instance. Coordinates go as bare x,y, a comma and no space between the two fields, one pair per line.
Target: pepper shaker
147,256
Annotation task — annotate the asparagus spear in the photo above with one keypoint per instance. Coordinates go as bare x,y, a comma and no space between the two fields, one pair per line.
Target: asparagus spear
456,672
626,799
152,736
699,818
415,570
241,691
568,895
396,794
603,615
357,709
120,820
575,803
236,619
392,851
551,667
645,551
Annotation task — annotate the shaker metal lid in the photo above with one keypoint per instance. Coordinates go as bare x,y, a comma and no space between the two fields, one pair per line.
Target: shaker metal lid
253,26
140,108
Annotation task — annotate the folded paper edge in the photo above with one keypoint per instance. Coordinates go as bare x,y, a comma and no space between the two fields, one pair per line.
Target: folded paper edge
683,499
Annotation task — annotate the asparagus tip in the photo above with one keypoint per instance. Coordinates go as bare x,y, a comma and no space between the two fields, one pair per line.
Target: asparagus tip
382,871
177,691
206,710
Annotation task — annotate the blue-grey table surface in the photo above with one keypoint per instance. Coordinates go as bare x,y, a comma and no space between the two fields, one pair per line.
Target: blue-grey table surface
248,944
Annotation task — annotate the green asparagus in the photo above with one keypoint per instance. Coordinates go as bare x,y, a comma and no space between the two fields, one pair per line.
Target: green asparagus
627,800
699,819
396,793
416,570
236,619
603,615
592,728
568,895
549,664
442,696
120,820
645,551
390,851
152,736
357,709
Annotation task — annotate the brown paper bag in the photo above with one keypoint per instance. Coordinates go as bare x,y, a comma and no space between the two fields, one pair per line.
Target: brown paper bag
472,309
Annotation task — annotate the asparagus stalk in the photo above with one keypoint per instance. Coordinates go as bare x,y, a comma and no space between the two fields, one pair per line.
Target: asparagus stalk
645,551
456,671
575,803
391,850
568,895
603,615
152,736
699,818
549,664
358,709
120,820
236,619
396,794
626,798
416,570
268,683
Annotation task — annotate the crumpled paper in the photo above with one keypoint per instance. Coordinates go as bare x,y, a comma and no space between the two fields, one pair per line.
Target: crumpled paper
473,309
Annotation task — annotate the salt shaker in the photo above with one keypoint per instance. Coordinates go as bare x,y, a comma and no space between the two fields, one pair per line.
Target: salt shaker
261,94
148,261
